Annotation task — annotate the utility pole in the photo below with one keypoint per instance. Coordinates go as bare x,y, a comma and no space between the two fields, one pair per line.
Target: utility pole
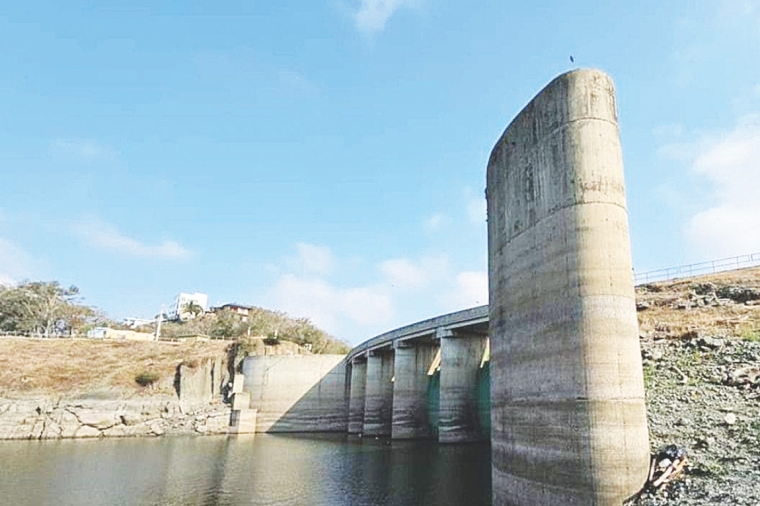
159,319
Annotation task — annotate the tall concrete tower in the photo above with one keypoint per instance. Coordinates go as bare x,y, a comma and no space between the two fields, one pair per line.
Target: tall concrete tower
568,418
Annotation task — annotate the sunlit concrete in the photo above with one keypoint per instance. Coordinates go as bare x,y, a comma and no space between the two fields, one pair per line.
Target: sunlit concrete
568,417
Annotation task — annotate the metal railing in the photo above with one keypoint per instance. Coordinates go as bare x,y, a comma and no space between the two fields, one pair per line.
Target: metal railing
709,267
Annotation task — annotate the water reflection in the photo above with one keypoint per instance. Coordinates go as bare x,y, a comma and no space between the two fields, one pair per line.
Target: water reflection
262,470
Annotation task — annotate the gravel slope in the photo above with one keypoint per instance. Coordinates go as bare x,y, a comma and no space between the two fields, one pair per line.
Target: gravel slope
701,349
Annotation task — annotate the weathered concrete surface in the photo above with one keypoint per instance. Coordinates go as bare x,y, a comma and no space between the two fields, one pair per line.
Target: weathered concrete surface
242,421
461,356
241,400
378,402
297,393
567,392
356,397
410,391
238,382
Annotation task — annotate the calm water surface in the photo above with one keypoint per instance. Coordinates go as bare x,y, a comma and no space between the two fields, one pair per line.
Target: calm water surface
260,470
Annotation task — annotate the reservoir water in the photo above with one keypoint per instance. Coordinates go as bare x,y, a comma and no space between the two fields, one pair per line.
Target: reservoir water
247,470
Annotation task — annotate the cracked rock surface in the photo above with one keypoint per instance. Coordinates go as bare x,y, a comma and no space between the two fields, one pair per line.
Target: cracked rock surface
148,416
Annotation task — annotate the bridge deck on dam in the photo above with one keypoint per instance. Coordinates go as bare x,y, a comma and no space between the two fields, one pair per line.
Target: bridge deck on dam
430,379
474,320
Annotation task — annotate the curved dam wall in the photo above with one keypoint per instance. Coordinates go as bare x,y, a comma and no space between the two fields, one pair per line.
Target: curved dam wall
568,419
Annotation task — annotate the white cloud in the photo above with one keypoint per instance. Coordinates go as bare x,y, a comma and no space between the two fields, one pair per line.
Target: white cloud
87,149
326,304
730,163
476,207
396,292
681,151
306,290
105,236
433,222
405,273
15,263
366,305
314,259
470,289
372,15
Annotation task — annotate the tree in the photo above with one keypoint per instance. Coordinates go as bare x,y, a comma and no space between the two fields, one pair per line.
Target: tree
43,307
226,325
192,308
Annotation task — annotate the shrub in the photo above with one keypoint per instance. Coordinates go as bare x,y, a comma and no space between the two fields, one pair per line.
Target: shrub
146,378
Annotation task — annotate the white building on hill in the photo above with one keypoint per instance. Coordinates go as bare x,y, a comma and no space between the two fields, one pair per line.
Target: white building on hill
177,310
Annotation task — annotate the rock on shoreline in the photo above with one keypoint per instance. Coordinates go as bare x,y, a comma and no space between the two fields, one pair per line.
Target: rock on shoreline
45,418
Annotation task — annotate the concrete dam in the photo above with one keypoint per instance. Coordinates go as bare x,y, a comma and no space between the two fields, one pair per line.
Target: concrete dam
551,370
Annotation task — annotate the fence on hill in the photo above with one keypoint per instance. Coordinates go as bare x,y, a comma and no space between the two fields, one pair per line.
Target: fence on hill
689,270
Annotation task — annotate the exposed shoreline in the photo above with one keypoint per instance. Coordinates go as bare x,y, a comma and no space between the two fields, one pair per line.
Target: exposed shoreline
142,416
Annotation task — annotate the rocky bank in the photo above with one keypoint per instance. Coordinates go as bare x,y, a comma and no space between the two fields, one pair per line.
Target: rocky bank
700,341
45,418
60,388
192,404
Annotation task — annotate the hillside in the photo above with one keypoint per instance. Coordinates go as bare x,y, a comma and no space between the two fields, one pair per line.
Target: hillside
70,366
700,342
91,388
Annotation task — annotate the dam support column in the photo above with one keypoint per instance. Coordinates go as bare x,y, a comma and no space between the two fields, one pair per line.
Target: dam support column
411,363
378,403
461,359
356,395
568,419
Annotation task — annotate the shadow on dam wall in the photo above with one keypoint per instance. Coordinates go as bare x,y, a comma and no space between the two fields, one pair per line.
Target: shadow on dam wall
310,394
298,393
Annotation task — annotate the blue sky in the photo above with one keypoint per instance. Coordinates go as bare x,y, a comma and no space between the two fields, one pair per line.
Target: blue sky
327,158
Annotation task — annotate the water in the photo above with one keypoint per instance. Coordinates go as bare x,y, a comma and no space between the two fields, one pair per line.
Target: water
261,470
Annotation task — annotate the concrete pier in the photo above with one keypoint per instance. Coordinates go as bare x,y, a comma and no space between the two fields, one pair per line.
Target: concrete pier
568,418
378,402
461,356
356,396
410,389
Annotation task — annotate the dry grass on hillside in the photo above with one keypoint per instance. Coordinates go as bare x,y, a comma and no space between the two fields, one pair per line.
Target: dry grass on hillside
678,307
70,366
